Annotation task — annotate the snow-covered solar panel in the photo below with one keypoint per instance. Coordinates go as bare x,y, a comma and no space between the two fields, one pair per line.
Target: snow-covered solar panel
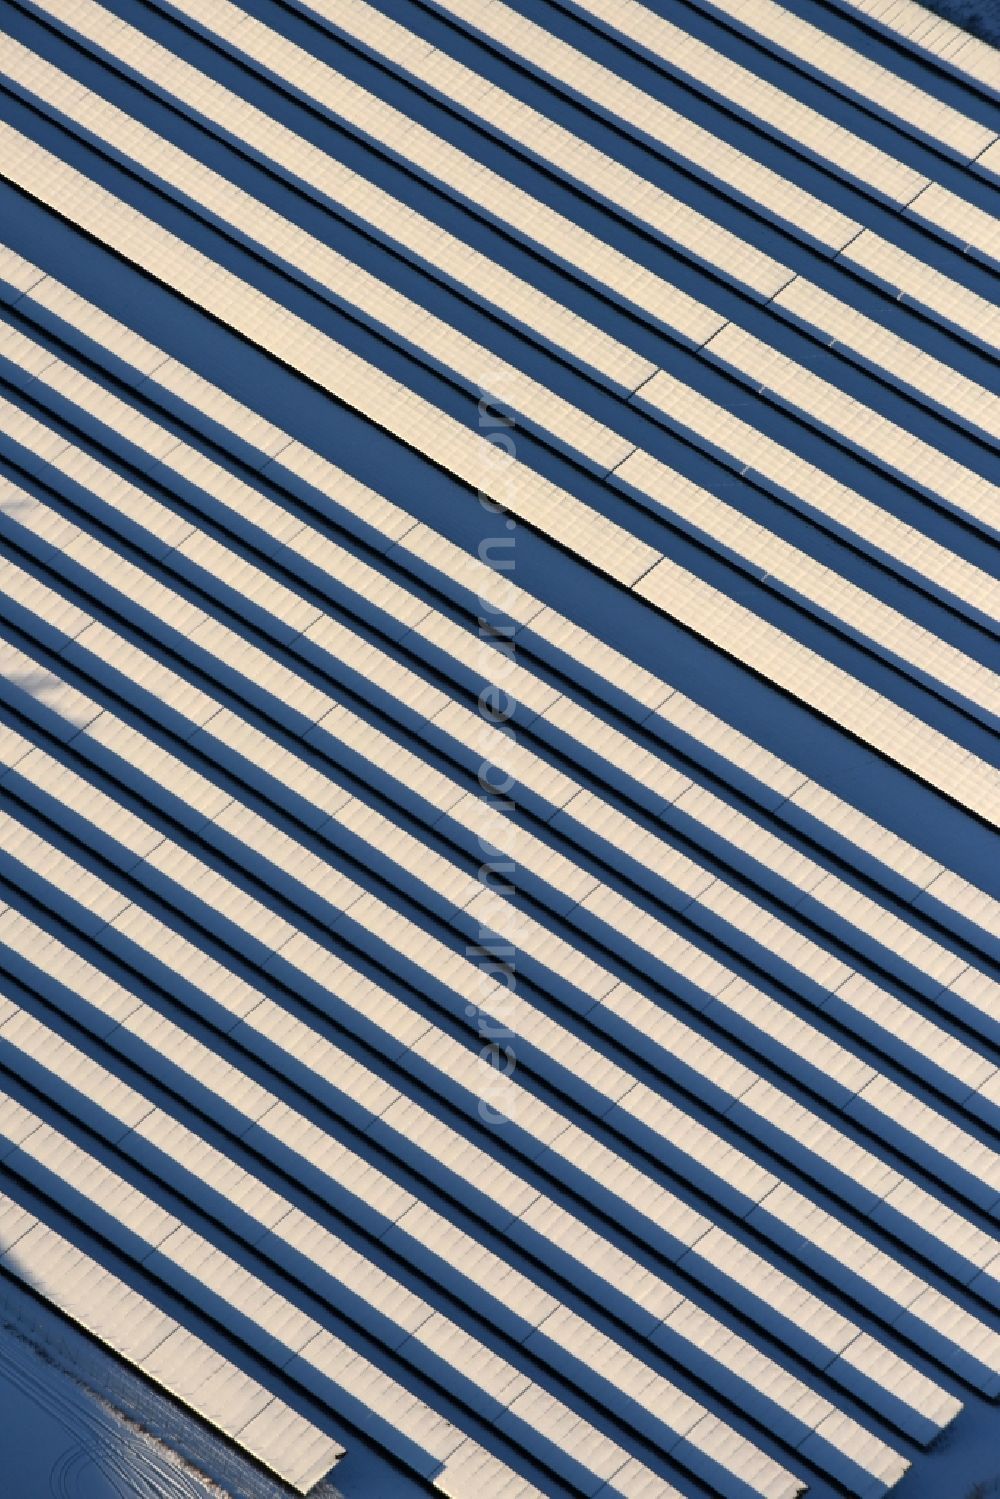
606,90
626,277
623,556
889,354
920,284
830,407
200,1262
197,1258
789,117
575,157
545,1010
563,1143
433,153
802,945
131,1325
851,69
316,260
144,1130
821,683
823,588
819,490
926,1038
574,433
946,42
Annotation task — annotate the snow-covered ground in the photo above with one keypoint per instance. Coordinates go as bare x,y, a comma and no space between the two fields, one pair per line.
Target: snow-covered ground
75,1423
57,1438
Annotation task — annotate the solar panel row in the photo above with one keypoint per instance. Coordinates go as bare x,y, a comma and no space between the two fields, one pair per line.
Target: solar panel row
800,125
853,71
726,623
217,898
726,1218
969,1070
306,543
942,975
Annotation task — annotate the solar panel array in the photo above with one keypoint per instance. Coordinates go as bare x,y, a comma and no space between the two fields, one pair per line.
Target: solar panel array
498,702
